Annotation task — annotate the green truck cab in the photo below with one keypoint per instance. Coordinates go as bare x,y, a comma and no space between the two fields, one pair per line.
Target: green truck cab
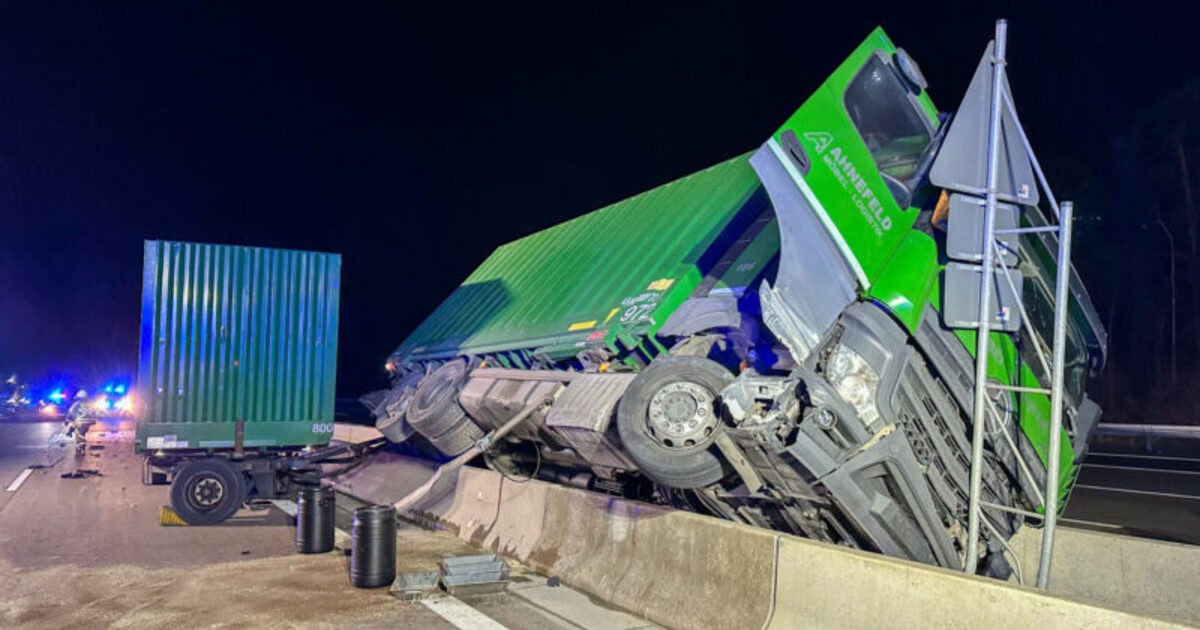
773,340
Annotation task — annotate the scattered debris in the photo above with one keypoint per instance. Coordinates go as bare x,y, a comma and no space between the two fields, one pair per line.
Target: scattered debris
80,473
473,575
413,586
553,581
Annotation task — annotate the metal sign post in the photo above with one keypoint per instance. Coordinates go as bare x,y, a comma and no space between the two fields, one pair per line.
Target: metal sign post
983,336
1009,165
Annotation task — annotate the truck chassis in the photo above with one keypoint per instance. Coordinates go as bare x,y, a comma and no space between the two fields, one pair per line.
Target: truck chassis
697,429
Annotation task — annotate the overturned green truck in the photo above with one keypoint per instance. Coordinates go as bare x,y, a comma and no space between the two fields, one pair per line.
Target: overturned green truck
774,340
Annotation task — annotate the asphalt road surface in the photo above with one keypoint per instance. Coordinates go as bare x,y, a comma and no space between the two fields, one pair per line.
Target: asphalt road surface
1140,488
23,442
89,553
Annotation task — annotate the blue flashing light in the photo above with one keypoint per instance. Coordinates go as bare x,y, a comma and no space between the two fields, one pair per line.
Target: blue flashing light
108,389
57,395
120,389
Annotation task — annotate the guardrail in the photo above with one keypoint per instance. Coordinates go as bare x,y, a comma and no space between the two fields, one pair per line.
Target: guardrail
1183,431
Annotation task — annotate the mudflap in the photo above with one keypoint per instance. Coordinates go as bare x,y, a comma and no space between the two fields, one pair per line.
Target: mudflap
882,491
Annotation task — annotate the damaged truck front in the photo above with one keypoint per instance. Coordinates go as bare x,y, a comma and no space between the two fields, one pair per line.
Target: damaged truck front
778,339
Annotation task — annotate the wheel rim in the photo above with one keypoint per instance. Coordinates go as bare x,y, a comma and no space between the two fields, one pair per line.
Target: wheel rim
681,416
206,493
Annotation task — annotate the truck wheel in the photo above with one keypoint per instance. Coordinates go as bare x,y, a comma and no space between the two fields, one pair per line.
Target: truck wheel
668,418
435,413
390,420
207,491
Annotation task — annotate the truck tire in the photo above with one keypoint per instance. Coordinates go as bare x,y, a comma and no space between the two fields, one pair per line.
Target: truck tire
207,491
668,418
456,441
390,419
435,413
393,427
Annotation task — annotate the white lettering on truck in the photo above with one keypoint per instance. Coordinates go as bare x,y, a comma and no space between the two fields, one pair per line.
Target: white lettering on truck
844,171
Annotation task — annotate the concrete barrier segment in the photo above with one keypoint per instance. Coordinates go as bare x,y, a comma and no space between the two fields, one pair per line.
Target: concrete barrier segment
354,433
685,570
520,519
674,568
474,506
823,586
1137,575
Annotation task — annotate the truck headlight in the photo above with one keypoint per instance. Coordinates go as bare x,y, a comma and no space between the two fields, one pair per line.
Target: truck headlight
856,381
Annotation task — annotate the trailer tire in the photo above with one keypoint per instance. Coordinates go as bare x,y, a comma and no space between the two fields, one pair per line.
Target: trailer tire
434,411
207,491
667,448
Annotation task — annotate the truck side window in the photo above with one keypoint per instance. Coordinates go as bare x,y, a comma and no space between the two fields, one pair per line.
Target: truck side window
890,123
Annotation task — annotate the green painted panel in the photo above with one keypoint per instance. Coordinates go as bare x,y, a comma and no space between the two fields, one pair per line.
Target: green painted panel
233,333
844,179
905,283
617,272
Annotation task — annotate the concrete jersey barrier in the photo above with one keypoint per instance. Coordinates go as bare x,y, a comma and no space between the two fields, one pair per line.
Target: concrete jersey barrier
1138,575
690,571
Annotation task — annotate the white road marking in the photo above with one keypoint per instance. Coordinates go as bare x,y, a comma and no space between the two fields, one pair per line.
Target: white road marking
16,484
1075,521
460,614
1169,495
1162,457
1137,469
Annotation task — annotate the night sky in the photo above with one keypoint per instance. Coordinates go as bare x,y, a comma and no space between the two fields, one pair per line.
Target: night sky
415,140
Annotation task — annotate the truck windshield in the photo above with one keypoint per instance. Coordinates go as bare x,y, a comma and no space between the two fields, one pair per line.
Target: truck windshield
890,122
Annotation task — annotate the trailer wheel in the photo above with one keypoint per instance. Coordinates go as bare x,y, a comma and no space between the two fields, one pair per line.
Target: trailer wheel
668,418
434,411
207,491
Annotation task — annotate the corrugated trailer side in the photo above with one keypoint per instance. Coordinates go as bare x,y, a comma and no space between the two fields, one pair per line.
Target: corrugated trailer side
238,347
611,277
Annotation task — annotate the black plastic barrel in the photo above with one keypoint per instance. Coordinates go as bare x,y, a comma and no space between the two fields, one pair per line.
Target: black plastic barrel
373,546
315,509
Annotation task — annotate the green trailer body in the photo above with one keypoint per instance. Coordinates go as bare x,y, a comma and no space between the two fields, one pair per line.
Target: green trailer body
530,292
609,277
238,348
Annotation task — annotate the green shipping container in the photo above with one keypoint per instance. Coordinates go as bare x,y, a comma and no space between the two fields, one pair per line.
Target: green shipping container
610,277
238,347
